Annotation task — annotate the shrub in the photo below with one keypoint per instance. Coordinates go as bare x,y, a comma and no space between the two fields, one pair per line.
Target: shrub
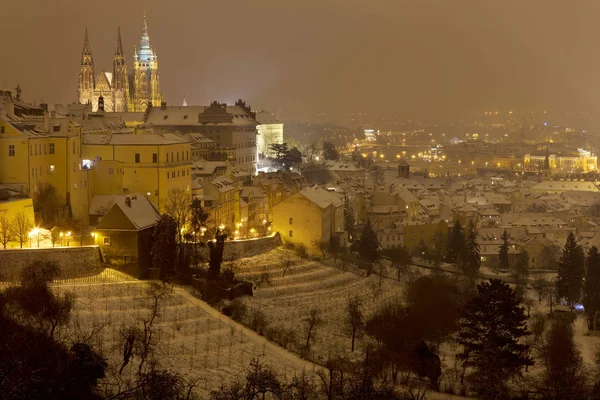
237,310
258,322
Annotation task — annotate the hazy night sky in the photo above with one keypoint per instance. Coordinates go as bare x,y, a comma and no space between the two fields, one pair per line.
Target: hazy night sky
298,58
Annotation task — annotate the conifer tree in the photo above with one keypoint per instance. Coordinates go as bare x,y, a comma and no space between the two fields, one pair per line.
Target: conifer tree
455,243
571,270
369,245
591,291
468,258
164,248
503,255
490,332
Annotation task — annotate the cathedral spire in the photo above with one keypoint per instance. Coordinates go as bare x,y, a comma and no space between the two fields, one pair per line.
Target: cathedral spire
86,54
145,40
119,43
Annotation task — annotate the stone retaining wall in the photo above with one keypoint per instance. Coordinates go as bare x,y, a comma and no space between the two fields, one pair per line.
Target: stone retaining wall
244,248
75,262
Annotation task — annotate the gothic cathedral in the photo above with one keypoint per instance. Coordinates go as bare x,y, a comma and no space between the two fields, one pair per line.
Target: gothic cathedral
119,91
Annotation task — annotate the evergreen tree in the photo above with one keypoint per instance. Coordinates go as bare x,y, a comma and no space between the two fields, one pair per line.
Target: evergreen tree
468,258
369,245
564,374
330,152
591,291
503,255
571,270
490,332
521,271
455,243
164,248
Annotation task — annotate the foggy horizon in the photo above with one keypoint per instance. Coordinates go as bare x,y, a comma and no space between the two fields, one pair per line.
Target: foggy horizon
297,60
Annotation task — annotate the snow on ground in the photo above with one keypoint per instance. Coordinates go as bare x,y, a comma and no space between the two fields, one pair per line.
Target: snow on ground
311,284
193,339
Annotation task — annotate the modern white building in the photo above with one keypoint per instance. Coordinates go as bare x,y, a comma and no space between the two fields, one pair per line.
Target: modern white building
270,131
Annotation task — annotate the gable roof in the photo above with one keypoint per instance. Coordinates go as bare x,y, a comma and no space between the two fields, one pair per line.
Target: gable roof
322,197
130,212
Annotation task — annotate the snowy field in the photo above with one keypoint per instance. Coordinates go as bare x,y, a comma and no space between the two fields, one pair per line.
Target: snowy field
192,339
288,299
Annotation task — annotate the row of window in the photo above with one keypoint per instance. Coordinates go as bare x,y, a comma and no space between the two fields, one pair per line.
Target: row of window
82,185
246,159
39,171
112,171
180,173
33,149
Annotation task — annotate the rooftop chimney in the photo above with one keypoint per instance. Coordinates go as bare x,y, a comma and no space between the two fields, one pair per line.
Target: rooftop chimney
163,105
128,201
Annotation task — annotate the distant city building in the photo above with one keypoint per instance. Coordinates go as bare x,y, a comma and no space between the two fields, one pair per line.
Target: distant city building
231,128
561,160
117,90
270,131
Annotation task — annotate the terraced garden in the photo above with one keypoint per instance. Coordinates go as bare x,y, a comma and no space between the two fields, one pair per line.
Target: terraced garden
192,339
287,299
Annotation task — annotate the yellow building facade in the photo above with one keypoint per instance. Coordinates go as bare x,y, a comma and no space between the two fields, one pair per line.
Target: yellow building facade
151,164
46,152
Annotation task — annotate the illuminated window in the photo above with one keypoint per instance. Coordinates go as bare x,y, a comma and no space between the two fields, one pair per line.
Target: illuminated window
52,169
106,240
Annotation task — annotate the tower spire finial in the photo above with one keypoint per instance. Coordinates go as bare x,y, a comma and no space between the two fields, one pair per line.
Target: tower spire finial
86,54
145,41
119,43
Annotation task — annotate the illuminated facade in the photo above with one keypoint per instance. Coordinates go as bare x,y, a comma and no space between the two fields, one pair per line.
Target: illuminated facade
119,91
583,161
270,131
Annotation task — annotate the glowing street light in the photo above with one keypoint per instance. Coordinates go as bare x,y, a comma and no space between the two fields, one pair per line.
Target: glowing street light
221,227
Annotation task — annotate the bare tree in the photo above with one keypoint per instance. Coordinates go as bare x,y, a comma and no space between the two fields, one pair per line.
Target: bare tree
321,246
301,251
6,230
312,321
54,235
21,228
146,342
355,319
178,207
286,263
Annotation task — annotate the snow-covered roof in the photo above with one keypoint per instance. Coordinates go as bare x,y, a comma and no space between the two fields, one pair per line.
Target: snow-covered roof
322,197
137,209
223,184
564,186
406,195
149,139
189,116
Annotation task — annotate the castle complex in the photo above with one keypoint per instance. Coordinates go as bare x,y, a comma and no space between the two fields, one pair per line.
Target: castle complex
117,90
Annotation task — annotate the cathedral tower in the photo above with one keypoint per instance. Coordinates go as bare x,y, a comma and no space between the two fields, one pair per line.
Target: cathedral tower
145,74
86,84
120,81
